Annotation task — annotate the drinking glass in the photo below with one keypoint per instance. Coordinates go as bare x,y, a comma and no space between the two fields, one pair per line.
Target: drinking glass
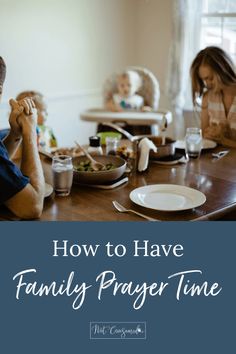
193,142
111,145
62,171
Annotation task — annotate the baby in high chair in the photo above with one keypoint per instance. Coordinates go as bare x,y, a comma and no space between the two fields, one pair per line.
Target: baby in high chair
128,84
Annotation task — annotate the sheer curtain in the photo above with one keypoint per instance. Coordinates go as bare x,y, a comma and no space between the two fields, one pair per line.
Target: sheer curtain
185,44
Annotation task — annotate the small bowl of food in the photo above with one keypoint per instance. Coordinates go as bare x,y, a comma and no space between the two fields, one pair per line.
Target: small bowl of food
168,149
114,168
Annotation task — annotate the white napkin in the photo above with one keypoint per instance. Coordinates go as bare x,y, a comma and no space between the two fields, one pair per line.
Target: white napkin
145,145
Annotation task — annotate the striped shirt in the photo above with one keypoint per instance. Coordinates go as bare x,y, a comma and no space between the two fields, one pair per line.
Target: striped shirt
217,114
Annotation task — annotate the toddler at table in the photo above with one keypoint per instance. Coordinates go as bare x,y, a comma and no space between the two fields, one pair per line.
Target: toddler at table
46,137
128,83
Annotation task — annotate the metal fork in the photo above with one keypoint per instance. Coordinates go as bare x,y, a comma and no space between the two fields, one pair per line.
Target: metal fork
122,209
220,154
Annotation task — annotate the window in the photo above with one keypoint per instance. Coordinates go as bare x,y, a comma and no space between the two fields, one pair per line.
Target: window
218,25
218,28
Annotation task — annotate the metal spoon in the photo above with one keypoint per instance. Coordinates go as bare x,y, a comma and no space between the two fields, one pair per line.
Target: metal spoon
122,209
97,166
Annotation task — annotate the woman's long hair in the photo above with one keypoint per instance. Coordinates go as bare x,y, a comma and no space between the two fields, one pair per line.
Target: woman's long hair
3,70
219,62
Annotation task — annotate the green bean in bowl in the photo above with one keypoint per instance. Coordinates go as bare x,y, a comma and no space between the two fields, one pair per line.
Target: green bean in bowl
114,168
86,166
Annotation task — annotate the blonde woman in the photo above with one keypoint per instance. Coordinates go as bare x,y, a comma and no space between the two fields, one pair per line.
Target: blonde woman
214,82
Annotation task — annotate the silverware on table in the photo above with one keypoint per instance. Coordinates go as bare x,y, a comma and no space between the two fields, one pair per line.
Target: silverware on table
220,154
122,209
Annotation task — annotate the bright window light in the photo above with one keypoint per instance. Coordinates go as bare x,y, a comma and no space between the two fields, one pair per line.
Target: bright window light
219,25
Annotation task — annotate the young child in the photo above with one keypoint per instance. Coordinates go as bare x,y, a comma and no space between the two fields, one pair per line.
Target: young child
128,83
214,81
46,137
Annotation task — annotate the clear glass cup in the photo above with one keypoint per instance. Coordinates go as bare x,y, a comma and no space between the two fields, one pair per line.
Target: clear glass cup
193,142
111,145
62,172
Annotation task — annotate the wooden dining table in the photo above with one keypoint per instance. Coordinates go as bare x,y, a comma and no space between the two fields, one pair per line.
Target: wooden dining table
216,178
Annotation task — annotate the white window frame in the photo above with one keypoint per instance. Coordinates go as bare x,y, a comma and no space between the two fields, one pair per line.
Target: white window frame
221,16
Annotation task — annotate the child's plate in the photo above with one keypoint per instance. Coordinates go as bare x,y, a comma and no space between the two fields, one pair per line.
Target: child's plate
206,144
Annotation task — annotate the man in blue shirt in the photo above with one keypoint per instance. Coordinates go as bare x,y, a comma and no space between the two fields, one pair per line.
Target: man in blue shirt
21,190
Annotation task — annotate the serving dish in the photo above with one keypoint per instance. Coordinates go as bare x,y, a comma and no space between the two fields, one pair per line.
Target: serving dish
99,177
70,151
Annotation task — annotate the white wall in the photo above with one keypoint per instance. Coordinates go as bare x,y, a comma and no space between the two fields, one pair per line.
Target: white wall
153,24
65,49
153,38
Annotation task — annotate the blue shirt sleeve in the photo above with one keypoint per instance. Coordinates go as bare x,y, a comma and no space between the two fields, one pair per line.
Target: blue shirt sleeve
12,180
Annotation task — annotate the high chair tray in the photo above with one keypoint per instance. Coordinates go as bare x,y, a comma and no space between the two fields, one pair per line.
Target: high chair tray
130,117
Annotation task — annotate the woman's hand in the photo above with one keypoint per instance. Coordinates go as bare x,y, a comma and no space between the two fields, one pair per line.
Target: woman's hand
214,132
228,142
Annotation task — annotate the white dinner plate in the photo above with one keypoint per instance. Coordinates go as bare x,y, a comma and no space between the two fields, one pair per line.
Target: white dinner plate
206,144
167,197
168,163
48,190
181,159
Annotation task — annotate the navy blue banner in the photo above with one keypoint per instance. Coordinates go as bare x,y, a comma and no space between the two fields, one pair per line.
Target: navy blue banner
121,287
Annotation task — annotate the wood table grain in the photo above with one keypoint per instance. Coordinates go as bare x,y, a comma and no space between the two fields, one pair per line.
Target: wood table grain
215,178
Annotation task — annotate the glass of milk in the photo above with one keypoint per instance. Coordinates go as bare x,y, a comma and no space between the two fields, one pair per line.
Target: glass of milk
62,171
